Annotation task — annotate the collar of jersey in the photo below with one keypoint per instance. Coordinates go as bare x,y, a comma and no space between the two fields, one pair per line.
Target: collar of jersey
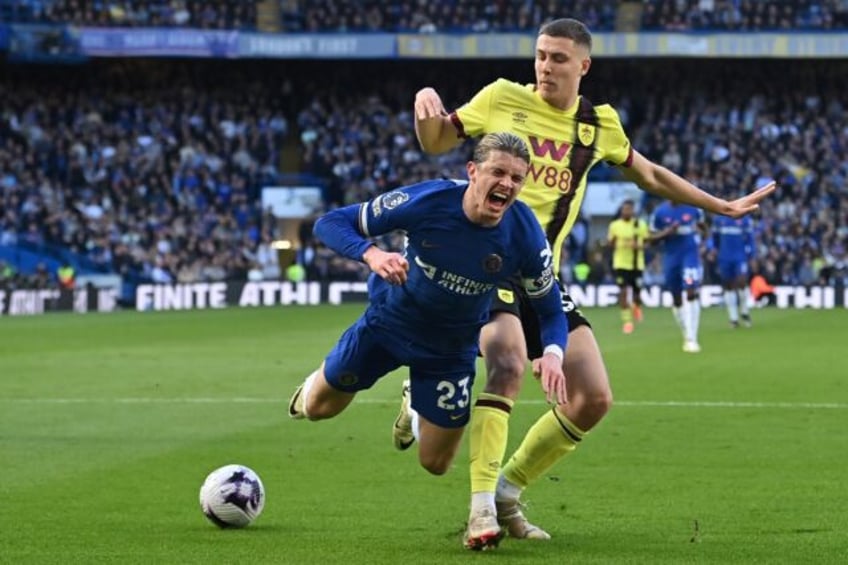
568,112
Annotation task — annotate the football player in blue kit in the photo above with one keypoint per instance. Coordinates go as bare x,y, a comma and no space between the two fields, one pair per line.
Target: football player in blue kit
678,226
428,304
734,238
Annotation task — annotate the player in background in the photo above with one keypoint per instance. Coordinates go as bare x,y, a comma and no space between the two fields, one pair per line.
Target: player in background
627,236
427,306
734,239
567,135
679,227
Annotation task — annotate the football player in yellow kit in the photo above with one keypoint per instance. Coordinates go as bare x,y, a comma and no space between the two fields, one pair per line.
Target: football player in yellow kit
567,135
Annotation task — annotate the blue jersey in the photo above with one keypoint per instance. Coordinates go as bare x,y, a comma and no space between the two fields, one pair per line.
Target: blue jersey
454,264
734,238
686,239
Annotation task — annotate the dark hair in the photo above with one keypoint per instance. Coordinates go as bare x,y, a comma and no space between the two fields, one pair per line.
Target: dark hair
569,28
501,141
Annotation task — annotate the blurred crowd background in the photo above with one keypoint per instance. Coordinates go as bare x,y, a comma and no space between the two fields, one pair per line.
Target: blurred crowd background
153,169
424,16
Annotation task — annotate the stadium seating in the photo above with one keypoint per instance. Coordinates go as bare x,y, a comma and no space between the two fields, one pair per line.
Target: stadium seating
475,16
723,15
225,14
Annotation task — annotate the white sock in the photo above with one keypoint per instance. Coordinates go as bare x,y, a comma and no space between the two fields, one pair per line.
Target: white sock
679,318
694,310
307,388
730,298
482,501
743,301
507,490
416,432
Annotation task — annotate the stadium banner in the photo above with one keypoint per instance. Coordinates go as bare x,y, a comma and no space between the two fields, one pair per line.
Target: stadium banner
31,302
476,45
72,44
199,296
152,41
276,293
191,296
643,44
317,45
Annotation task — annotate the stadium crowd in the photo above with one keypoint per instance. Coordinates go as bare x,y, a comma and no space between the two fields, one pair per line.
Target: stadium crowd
476,16
221,14
744,15
155,171
158,183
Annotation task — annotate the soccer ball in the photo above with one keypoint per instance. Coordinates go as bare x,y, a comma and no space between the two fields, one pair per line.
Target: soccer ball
232,496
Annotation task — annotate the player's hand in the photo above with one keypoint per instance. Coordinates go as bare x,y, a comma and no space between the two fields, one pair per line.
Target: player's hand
750,203
671,229
548,369
393,267
428,104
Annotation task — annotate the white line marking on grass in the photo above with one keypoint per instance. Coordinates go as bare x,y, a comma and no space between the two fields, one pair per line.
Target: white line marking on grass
259,400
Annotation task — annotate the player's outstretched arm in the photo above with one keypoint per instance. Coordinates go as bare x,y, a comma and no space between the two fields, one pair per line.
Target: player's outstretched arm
658,180
339,230
433,127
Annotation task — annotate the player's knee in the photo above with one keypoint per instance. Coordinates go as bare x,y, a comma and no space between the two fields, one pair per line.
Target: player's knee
600,402
320,410
436,464
315,412
505,372
592,406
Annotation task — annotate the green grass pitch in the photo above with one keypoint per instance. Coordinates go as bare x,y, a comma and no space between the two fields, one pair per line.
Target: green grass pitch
109,424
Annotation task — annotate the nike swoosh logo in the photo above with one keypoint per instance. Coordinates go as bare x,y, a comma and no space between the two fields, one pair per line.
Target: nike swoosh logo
458,416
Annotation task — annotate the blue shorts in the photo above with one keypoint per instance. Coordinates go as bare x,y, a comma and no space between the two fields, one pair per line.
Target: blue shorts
441,382
682,272
730,271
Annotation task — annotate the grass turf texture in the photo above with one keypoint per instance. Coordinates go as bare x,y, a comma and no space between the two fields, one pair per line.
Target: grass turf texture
145,405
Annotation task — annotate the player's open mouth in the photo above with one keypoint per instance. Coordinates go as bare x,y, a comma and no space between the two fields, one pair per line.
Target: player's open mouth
498,199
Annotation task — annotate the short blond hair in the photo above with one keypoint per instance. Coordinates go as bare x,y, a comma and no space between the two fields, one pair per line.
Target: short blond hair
501,141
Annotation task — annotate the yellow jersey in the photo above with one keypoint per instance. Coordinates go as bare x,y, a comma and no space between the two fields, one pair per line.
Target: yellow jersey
553,136
629,245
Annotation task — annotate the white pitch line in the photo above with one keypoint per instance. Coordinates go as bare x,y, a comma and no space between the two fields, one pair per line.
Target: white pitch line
259,400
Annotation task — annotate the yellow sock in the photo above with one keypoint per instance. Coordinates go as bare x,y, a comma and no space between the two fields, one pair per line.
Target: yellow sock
626,315
551,438
489,427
